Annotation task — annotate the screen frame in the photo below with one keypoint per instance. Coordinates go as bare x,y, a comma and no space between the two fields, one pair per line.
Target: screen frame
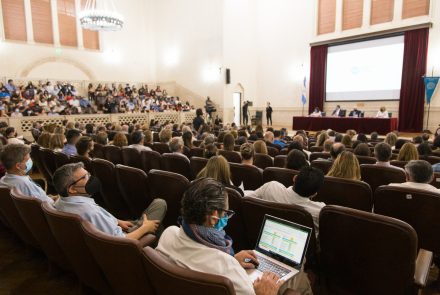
277,256
352,42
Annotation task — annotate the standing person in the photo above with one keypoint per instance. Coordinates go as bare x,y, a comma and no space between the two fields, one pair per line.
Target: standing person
269,114
209,107
245,112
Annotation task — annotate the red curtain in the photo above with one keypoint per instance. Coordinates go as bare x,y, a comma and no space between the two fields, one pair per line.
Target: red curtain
318,62
412,94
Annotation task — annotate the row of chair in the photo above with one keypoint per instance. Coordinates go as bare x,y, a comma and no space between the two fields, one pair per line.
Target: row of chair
105,264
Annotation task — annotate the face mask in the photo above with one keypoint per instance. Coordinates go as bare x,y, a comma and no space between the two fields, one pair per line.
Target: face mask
93,186
29,165
221,223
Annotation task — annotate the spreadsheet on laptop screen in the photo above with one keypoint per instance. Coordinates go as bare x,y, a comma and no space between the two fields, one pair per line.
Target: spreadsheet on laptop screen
284,240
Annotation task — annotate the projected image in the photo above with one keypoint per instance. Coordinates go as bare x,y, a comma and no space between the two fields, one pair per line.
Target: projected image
368,70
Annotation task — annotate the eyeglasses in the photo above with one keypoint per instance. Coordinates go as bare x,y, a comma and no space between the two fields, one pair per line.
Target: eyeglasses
85,176
228,213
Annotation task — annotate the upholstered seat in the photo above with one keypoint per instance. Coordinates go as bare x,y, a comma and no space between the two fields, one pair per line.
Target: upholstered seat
176,163
376,175
131,157
262,161
322,165
61,159
113,154
250,176
282,175
196,165
230,156
280,161
161,147
150,160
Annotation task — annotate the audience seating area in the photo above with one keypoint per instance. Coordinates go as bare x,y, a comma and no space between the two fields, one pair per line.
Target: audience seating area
394,255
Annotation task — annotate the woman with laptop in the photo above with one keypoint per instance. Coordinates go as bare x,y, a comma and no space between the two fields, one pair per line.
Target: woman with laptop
202,245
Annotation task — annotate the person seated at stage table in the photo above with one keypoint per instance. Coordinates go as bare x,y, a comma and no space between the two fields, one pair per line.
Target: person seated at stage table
382,113
355,113
316,113
337,112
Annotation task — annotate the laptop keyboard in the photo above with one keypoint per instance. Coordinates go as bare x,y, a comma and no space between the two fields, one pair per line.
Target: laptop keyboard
267,265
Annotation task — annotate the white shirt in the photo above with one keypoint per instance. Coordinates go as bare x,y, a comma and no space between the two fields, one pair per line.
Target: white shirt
276,192
140,147
388,164
316,114
15,140
382,114
187,253
417,185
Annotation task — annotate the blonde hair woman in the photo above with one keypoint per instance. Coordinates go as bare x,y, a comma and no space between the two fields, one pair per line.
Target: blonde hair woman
322,137
391,139
44,139
408,152
260,147
346,141
57,142
218,168
346,166
120,140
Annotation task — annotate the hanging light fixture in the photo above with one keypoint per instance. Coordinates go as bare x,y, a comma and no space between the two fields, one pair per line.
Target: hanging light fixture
101,15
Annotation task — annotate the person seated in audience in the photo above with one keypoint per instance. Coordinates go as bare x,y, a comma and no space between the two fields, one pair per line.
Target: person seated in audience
436,146
305,186
362,149
399,144
426,137
137,141
148,137
408,152
424,149
165,135
57,142
374,136
101,138
76,187
72,137
383,153
241,140
120,140
302,139
247,154
228,142
218,168
17,161
201,244
296,145
187,137
176,147
338,137
316,113
322,137
327,146
277,139
210,150
346,166
346,141
417,140
11,135
84,146
44,139
382,113
355,113
419,175
391,139
209,139
296,160
260,147
198,120
269,138
362,138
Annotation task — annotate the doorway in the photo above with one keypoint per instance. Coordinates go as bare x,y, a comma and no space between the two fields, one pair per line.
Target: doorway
236,102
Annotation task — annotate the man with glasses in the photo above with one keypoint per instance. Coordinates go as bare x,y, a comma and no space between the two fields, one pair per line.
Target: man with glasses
76,188
201,244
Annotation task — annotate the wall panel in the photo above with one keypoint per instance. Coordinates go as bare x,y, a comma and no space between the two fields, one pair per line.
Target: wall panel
413,8
42,21
352,14
382,11
326,16
67,22
14,20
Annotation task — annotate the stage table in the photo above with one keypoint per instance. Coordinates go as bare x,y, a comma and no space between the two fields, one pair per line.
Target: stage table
361,125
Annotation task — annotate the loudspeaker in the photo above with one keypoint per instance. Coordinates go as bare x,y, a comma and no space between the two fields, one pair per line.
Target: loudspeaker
228,76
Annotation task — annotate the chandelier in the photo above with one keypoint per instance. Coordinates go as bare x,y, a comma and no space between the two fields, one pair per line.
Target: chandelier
100,15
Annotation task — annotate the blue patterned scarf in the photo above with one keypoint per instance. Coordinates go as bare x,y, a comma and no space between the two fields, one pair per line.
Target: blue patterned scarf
208,236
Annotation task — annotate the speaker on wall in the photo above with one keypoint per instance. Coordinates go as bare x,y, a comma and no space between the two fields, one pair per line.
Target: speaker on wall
228,76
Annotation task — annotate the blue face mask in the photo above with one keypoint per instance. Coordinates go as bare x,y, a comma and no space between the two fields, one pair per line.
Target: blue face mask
222,223
29,165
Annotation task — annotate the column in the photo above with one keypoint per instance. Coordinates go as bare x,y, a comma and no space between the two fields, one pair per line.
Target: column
55,28
79,35
338,23
398,7
366,14
29,26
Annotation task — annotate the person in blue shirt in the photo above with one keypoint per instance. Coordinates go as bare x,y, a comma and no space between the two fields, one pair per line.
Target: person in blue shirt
72,137
17,161
277,139
76,187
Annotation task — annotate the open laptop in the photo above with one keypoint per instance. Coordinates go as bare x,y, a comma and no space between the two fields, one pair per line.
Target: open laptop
281,248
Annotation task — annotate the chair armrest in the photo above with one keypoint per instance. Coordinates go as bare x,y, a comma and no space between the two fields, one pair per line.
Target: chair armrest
147,240
423,265
291,292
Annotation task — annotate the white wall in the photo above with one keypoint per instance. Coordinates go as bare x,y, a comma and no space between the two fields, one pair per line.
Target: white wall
127,55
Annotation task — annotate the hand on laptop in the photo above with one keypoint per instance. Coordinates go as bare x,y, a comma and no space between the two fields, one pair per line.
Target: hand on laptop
268,284
247,259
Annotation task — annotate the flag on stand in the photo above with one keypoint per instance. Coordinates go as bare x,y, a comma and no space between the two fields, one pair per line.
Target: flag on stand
430,86
303,94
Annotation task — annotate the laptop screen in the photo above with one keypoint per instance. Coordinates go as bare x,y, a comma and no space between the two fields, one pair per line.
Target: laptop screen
283,240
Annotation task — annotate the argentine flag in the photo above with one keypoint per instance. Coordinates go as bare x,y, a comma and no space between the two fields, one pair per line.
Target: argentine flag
303,94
